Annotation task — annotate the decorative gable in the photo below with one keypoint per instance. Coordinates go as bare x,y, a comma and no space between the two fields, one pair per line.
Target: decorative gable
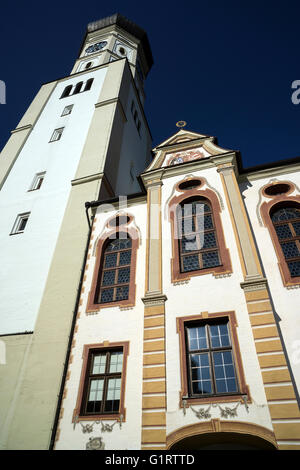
183,147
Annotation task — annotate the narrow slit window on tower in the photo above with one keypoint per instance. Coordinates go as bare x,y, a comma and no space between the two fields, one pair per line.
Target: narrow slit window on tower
88,84
66,91
77,88
20,223
135,117
57,134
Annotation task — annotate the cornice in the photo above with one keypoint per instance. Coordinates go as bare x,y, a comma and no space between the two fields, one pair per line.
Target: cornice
23,128
269,172
112,101
87,179
183,145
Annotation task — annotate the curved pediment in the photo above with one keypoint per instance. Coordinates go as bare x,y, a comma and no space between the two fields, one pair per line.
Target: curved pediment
185,146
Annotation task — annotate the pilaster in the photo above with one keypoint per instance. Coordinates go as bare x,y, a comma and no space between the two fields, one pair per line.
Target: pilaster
278,385
154,356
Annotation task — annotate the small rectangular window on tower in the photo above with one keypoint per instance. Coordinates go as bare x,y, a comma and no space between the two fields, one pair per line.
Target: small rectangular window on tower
57,134
67,110
20,223
37,181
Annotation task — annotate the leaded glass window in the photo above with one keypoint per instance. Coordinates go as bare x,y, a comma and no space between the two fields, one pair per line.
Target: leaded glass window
211,365
286,221
114,276
103,382
198,244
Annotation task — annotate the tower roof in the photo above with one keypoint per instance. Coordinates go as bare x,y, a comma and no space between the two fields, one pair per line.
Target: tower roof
128,26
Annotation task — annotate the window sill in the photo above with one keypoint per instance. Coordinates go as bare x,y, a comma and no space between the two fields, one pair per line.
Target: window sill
234,397
17,233
97,307
185,276
101,417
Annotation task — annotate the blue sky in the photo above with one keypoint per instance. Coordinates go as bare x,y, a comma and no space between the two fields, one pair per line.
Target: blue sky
226,68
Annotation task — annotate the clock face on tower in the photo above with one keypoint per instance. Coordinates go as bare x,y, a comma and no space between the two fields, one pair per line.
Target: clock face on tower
96,47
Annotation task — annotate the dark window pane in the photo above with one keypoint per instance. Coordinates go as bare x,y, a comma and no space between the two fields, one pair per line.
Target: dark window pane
202,387
125,257
23,224
286,214
122,293
107,295
283,231
108,278
294,267
110,260
123,275
290,250
208,240
296,226
190,263
210,259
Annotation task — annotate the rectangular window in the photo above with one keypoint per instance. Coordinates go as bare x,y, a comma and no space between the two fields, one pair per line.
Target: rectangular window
37,181
57,134
20,223
102,389
67,110
210,362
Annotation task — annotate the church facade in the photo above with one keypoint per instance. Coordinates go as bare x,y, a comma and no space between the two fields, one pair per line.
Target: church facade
165,308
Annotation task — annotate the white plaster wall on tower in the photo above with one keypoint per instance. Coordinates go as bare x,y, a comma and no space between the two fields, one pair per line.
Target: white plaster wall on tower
26,257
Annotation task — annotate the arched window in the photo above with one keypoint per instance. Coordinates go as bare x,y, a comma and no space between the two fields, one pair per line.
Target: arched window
66,91
114,276
113,281
198,244
77,88
286,221
88,84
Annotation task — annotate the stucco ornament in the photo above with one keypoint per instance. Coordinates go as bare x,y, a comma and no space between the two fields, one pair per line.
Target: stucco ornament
95,443
225,412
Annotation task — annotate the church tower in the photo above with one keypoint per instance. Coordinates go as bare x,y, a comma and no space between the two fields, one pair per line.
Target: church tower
84,137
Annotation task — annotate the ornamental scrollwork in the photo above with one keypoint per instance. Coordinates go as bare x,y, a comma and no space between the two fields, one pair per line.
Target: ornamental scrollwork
225,412
105,427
